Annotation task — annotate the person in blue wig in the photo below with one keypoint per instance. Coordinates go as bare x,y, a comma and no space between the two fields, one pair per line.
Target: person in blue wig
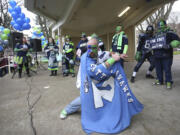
107,102
52,50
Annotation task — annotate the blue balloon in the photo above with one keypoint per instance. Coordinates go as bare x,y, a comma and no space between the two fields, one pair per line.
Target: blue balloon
16,26
27,20
10,10
12,3
14,15
1,48
12,22
43,39
1,28
26,26
43,42
21,29
19,21
29,26
34,33
17,9
22,15
41,34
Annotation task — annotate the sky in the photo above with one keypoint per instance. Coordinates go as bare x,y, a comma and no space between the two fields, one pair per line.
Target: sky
32,18
175,8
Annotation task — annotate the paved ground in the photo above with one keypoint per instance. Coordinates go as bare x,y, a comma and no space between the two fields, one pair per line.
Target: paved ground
30,106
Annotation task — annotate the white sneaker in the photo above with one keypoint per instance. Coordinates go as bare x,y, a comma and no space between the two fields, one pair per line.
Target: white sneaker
63,114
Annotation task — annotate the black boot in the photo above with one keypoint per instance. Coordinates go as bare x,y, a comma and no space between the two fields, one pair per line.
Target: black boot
132,79
149,76
28,74
20,72
55,73
52,73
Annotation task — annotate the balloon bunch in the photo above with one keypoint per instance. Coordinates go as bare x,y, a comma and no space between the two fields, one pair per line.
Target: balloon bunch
39,35
44,42
37,32
4,33
19,22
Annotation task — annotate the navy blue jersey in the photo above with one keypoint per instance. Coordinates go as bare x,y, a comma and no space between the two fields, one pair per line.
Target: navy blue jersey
82,45
142,42
48,47
22,53
67,46
164,53
115,43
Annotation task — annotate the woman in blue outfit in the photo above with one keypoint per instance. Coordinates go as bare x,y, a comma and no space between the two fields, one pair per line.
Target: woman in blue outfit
52,51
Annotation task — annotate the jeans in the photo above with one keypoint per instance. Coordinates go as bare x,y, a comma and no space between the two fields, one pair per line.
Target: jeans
147,56
163,65
74,106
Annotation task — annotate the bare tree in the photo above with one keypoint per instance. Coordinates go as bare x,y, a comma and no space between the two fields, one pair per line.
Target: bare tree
5,18
174,23
44,22
162,13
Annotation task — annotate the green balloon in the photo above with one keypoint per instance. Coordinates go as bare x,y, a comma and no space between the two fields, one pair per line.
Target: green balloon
42,37
38,31
6,31
56,37
4,37
35,29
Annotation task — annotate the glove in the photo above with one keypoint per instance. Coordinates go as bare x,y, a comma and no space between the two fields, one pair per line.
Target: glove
138,56
175,43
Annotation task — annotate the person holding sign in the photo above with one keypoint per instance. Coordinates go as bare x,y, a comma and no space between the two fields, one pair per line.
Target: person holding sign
163,44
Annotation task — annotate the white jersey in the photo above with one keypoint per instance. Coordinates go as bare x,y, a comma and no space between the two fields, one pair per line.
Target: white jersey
102,57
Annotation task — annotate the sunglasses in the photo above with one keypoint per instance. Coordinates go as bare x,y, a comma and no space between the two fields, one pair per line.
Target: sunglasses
91,46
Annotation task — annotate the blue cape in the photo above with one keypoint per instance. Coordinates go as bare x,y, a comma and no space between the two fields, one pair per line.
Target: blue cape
106,99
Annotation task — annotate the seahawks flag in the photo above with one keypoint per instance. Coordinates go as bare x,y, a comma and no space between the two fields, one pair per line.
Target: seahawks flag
107,100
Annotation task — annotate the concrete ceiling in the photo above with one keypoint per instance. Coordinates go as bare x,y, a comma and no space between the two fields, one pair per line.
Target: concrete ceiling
100,16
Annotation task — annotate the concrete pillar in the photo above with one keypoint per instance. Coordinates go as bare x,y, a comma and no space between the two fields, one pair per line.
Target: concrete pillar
60,40
53,34
130,32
